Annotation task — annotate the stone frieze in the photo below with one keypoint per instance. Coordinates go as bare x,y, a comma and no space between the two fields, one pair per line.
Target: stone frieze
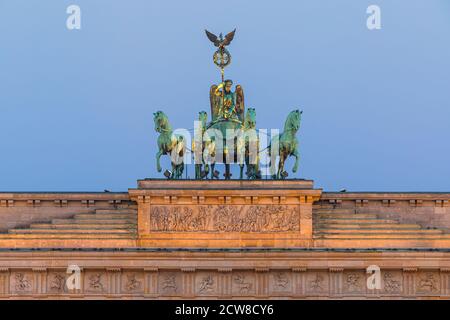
224,218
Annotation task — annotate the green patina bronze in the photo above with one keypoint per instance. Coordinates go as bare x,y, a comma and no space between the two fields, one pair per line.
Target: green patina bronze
287,145
228,114
199,174
169,144
250,152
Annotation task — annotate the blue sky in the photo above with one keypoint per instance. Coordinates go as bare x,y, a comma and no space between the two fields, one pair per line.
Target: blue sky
77,106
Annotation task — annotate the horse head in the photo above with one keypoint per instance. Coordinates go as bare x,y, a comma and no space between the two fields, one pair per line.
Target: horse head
293,121
250,119
161,121
203,118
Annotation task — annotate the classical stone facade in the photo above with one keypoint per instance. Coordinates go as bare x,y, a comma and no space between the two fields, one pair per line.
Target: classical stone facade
173,274
225,239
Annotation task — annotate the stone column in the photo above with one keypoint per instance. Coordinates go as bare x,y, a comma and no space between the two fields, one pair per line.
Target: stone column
262,282
114,280
409,278
188,282
298,281
445,278
151,282
225,283
4,281
335,281
40,280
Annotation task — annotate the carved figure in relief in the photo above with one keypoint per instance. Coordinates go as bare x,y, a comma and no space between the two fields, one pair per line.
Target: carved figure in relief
199,222
244,287
132,282
316,283
428,283
169,283
224,218
207,284
353,283
95,281
57,282
22,283
281,280
390,285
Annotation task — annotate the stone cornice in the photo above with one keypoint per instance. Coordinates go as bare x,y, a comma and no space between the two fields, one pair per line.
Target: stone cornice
405,196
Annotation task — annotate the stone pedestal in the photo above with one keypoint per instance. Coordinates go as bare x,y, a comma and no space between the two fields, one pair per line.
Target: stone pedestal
233,213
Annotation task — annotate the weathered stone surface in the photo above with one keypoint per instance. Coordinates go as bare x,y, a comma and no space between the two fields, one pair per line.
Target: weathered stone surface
231,213
225,239
211,274
224,218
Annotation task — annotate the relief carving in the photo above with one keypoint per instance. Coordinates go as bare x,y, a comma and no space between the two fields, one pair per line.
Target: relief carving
95,282
242,284
316,284
390,284
22,283
353,282
224,218
281,281
206,284
428,283
132,283
57,282
169,284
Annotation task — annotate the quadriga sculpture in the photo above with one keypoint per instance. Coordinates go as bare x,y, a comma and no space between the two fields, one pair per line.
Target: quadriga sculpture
287,145
246,147
248,144
208,152
169,144
231,134
227,113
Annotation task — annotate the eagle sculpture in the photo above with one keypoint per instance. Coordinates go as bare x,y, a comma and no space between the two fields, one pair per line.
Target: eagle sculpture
219,41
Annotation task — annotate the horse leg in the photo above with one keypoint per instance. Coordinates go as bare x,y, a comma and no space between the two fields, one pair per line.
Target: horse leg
297,157
254,171
249,172
272,164
158,156
242,157
248,166
227,171
272,169
174,171
180,170
212,170
257,170
180,158
206,165
252,166
281,166
198,169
